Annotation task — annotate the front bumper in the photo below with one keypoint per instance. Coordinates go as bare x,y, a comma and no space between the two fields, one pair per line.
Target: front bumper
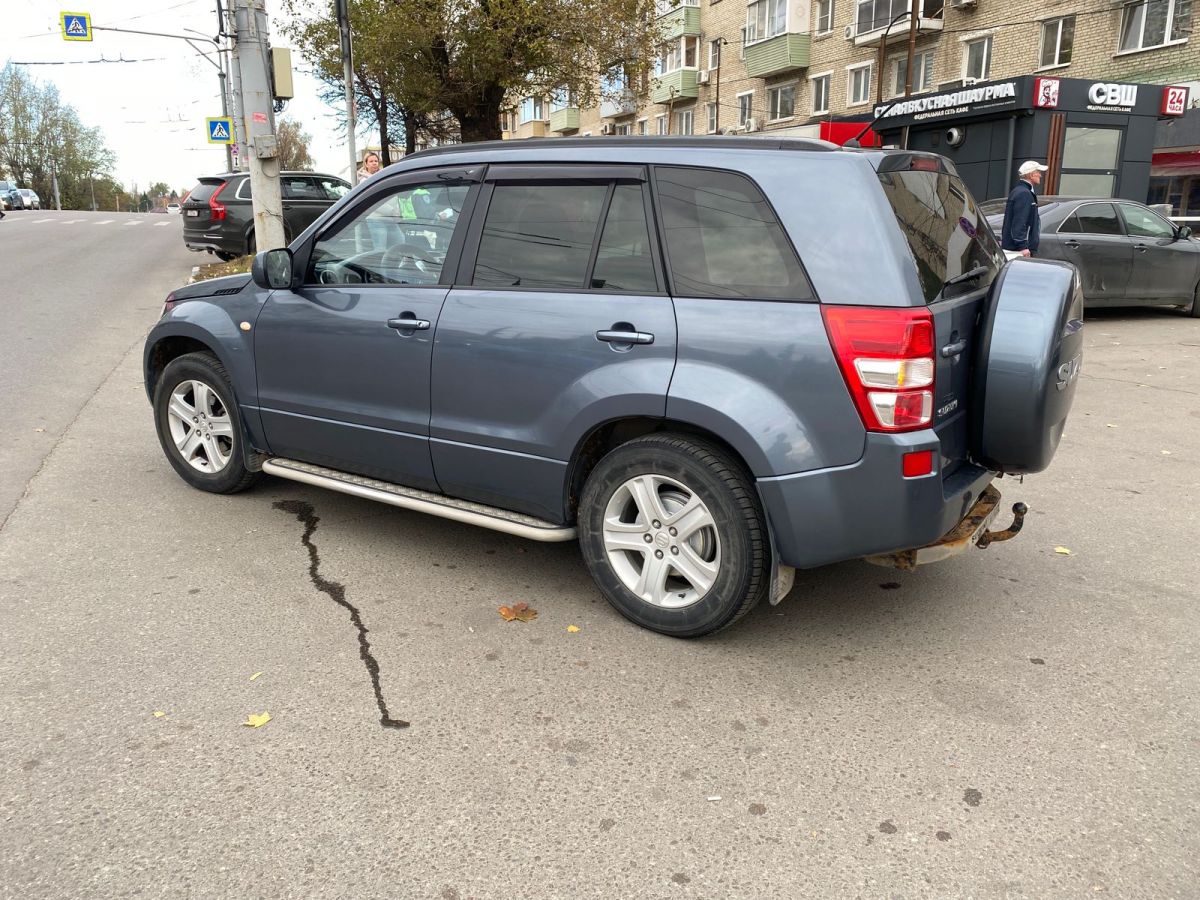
868,508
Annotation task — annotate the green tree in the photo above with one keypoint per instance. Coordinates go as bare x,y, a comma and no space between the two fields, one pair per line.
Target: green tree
293,146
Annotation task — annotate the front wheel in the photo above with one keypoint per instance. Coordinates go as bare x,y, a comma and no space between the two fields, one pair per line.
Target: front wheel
673,533
199,425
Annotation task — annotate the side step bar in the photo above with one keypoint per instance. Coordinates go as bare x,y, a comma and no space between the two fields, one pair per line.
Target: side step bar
422,501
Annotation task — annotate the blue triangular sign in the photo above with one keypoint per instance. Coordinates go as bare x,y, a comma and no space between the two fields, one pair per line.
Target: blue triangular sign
75,26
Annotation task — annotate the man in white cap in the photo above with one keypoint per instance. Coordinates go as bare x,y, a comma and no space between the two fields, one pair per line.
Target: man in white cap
1022,226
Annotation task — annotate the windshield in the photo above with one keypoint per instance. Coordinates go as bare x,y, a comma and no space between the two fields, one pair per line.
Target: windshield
945,229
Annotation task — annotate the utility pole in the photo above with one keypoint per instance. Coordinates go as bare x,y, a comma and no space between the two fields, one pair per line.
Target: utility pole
912,47
258,119
54,184
341,7
240,157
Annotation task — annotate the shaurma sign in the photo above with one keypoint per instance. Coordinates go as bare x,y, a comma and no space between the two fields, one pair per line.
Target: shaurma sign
965,100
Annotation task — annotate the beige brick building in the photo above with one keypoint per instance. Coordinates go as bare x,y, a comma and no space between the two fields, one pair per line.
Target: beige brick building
787,65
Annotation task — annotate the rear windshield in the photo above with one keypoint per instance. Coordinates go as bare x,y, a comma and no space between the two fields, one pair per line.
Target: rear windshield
944,227
201,192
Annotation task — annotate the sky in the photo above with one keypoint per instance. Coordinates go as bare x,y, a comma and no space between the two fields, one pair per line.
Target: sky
152,112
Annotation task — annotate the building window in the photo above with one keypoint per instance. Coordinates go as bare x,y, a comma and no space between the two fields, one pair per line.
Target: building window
742,43
781,102
641,126
765,19
623,129
745,108
533,109
662,7
1155,23
977,58
562,99
714,54
873,15
858,84
677,54
922,79
1058,38
824,16
820,93
660,124
712,118
685,121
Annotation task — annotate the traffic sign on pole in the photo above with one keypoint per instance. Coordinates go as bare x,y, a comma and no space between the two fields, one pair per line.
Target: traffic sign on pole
76,26
220,130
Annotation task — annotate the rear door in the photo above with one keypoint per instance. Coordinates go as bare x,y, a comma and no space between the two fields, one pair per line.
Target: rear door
1164,268
303,201
948,238
559,322
1092,240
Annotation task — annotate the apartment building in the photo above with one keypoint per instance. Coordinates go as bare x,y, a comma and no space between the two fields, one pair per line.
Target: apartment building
789,65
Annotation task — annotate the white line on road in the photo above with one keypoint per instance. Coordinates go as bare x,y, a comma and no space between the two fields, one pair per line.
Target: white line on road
106,222
161,224
72,221
134,222
40,221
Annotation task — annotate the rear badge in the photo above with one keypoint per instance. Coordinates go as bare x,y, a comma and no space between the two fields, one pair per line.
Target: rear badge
948,408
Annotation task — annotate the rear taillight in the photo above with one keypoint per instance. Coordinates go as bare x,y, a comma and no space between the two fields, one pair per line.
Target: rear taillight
217,210
886,357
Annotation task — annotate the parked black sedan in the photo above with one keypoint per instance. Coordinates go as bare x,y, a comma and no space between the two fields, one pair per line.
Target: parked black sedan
1126,253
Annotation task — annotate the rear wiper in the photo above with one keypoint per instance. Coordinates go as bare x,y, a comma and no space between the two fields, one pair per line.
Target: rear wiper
969,275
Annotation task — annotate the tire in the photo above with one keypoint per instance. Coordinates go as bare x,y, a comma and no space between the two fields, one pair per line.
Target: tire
213,461
1196,302
707,581
222,255
251,243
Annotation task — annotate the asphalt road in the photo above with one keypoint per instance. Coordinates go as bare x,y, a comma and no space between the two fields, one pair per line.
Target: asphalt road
79,290
1013,723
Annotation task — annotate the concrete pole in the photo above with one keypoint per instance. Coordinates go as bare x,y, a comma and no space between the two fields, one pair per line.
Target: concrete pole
54,185
259,121
342,8
237,151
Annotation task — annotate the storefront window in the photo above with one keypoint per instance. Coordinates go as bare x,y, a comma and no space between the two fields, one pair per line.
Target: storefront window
1091,148
1086,184
1154,23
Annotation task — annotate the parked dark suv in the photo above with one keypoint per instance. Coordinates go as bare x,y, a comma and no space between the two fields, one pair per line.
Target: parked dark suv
711,360
217,214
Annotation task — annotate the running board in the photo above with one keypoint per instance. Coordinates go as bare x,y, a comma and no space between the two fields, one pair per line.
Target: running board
422,501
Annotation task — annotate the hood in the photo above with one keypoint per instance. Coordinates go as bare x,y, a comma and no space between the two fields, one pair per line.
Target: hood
227,284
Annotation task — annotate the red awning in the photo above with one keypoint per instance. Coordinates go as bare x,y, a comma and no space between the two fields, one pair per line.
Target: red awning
1167,164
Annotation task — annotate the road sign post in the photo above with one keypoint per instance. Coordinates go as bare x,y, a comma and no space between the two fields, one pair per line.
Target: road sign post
76,26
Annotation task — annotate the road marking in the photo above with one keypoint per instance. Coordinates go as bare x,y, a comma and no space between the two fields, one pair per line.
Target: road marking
134,222
72,221
105,222
161,224
40,221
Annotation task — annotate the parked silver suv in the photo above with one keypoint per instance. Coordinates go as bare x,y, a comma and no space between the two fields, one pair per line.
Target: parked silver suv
709,360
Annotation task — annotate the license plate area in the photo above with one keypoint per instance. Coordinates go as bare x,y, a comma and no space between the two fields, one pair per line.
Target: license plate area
193,212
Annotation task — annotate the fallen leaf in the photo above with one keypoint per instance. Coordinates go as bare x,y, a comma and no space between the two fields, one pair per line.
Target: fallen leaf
520,612
1110,425
711,799
158,714
1062,551
258,721
573,629
1166,453
39,430
255,675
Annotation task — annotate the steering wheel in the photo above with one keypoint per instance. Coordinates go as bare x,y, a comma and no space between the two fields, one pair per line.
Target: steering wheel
408,257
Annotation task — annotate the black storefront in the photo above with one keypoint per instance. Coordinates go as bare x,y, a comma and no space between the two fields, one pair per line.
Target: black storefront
1097,137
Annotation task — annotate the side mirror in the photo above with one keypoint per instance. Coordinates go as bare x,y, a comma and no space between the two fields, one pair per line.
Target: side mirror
1183,232
272,269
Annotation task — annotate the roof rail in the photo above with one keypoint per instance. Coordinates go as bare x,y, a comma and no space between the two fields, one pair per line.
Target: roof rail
678,141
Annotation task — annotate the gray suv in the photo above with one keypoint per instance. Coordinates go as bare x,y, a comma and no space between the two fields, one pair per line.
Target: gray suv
710,360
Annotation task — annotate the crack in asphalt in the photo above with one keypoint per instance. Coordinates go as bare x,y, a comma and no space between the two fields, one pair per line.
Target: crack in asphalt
336,592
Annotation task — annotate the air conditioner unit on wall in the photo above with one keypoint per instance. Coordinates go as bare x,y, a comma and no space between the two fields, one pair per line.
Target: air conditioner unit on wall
968,81
963,4
702,78
752,124
849,32
608,128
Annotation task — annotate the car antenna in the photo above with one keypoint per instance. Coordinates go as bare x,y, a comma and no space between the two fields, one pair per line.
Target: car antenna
854,141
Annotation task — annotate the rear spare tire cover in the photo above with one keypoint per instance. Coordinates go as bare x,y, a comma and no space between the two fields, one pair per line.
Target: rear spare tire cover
1028,365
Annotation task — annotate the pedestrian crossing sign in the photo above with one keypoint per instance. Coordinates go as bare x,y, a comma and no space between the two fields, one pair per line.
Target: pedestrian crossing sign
220,130
76,26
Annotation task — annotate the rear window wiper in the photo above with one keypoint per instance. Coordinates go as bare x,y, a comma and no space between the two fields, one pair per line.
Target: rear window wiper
969,275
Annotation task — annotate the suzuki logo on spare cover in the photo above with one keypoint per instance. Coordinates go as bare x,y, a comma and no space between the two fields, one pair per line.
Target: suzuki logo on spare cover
1174,101
1113,94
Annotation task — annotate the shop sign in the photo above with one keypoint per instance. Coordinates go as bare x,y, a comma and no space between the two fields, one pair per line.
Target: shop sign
962,101
1112,97
1174,101
1045,92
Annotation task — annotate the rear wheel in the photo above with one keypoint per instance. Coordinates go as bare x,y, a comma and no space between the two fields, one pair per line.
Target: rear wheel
199,425
1196,302
672,532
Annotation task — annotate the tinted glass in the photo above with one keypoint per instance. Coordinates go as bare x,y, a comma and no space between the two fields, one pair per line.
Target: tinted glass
201,192
1143,223
539,235
1091,148
331,188
624,262
944,228
1070,225
295,188
400,239
1098,218
724,240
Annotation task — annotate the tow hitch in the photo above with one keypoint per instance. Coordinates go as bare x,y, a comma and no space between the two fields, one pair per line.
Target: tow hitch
972,530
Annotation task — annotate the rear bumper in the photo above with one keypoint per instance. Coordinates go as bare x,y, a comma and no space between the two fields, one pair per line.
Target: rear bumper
210,240
868,508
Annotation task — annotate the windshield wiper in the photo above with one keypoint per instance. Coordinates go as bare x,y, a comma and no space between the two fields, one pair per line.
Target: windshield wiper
969,275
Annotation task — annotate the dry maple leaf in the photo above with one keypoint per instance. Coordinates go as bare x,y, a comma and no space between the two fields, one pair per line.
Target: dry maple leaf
258,721
520,612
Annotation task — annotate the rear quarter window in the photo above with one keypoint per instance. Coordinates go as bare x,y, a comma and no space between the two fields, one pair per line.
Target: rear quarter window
945,229
201,192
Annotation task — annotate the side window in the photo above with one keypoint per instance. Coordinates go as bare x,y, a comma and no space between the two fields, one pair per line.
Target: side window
624,262
298,188
539,235
724,240
331,188
1143,223
402,238
1098,218
1071,225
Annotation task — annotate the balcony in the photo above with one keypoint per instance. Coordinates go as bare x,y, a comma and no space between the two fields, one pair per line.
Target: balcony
678,85
565,119
623,105
873,17
680,21
779,54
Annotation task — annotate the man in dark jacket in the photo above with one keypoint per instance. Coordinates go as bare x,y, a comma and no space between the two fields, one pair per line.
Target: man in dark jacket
1022,227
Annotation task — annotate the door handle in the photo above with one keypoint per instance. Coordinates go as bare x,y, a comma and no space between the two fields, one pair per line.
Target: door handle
625,337
1074,245
1141,247
408,322
954,349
